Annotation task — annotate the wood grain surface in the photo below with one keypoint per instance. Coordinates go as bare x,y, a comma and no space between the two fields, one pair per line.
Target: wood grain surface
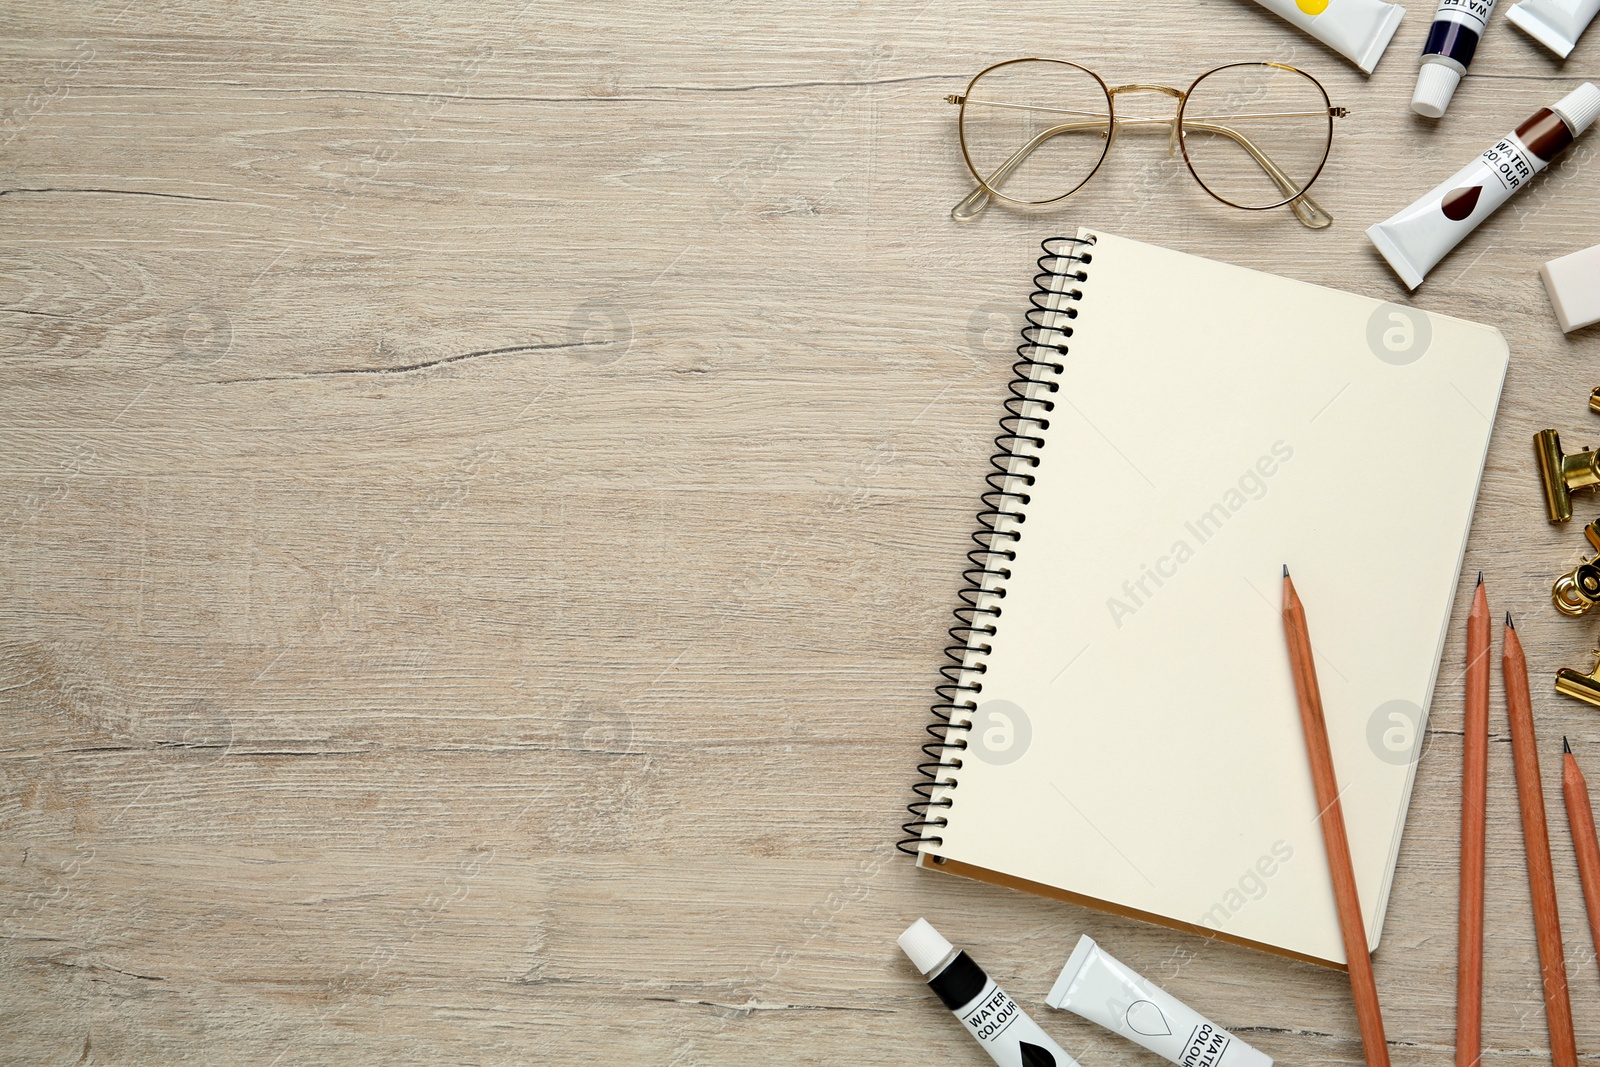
482,488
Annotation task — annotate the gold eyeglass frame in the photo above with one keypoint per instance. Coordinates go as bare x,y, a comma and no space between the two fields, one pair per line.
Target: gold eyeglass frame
1305,208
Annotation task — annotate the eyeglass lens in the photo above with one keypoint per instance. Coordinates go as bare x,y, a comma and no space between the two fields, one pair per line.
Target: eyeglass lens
1255,134
1035,129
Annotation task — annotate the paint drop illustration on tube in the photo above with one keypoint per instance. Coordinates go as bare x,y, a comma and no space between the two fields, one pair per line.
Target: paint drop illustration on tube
1458,203
1418,237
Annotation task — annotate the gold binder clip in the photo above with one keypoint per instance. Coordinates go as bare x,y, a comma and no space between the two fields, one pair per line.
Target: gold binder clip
1577,592
1562,474
1584,687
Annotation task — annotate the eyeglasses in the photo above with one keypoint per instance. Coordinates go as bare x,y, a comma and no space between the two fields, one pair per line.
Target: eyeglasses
1254,135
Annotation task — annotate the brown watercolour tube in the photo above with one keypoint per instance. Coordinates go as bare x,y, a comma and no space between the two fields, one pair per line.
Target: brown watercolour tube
1417,238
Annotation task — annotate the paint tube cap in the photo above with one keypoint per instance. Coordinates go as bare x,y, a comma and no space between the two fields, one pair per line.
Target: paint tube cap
925,945
1436,84
1579,108
1573,283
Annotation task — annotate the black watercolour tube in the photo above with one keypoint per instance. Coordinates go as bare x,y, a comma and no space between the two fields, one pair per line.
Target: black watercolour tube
1003,1029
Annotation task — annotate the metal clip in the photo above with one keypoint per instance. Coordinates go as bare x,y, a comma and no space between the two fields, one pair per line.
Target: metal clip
1584,687
1562,474
1577,592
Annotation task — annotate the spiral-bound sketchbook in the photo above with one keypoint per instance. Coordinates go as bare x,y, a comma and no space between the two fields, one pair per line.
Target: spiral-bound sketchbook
1119,726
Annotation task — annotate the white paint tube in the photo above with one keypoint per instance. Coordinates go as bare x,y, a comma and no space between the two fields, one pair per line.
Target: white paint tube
1556,24
1419,236
1104,990
990,1015
1359,30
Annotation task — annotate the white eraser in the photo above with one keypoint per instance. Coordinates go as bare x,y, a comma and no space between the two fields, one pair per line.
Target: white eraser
1573,283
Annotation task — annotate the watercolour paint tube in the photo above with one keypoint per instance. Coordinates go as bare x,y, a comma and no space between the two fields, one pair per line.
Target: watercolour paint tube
1452,40
1418,237
1359,30
1104,990
1556,24
990,1015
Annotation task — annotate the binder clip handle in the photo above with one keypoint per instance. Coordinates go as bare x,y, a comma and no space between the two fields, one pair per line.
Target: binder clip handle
1561,474
1584,687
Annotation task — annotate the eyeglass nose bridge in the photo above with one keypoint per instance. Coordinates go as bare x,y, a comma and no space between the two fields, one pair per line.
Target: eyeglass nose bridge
1141,87
1145,87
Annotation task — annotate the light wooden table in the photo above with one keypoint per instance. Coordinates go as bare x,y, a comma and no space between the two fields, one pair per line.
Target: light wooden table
481,491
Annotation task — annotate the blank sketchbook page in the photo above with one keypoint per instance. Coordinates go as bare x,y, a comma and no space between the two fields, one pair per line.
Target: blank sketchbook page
1214,423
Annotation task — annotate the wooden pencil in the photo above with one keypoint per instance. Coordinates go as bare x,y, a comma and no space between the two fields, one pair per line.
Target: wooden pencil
1536,843
1474,801
1580,818
1363,986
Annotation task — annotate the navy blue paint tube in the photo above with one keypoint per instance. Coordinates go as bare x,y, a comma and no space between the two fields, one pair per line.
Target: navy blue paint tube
1452,41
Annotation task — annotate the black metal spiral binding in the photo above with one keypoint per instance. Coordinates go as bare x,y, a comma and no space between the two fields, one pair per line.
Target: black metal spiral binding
1026,417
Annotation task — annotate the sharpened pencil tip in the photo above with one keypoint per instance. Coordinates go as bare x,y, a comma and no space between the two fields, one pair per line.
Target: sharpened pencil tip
1564,746
1509,624
1480,577
1286,570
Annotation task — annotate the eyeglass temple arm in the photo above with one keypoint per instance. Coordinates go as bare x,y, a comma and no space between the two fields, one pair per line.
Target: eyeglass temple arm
1310,213
977,200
